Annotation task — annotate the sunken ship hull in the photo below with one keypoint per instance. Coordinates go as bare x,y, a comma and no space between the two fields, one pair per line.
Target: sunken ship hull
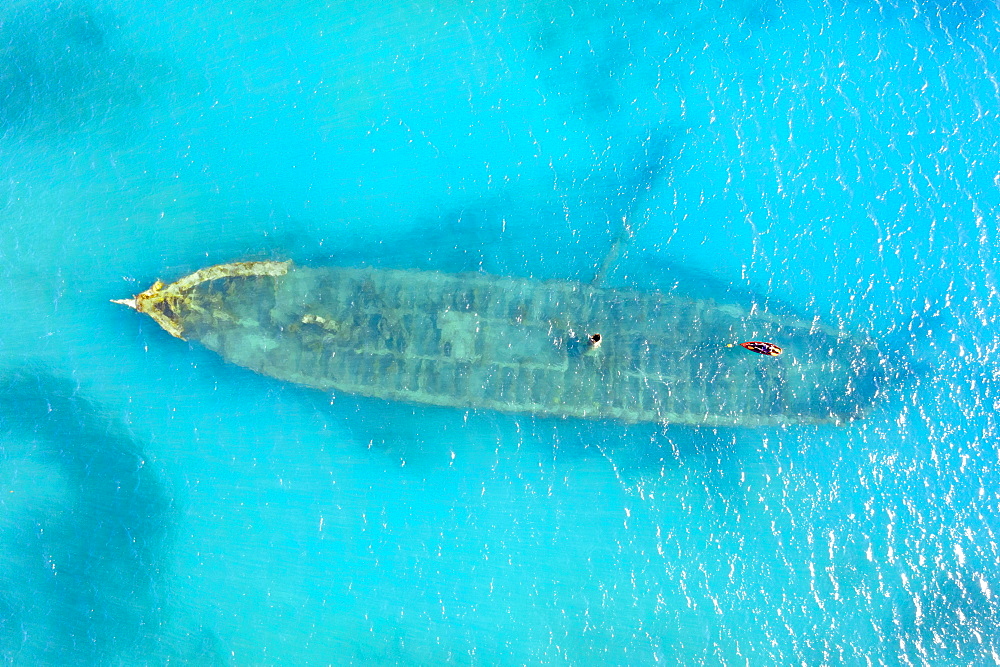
519,345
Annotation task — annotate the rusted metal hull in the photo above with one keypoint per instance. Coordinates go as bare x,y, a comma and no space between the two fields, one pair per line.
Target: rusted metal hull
519,345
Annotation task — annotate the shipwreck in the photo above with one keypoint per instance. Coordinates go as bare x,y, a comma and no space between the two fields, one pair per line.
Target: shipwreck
548,348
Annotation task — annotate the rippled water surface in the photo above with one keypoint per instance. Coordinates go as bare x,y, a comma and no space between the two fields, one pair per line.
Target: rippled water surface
836,160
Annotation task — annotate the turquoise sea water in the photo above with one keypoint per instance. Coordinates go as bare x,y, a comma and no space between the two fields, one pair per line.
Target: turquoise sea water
157,505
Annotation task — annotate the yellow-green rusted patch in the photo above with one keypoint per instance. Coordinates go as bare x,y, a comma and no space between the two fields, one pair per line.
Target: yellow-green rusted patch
161,301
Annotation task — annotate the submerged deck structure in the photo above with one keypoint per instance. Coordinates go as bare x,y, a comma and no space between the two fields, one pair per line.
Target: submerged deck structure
519,345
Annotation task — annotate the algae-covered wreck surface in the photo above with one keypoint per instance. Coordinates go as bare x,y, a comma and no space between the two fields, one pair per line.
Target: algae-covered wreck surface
553,348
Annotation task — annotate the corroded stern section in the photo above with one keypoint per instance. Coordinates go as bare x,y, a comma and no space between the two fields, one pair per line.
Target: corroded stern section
551,348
